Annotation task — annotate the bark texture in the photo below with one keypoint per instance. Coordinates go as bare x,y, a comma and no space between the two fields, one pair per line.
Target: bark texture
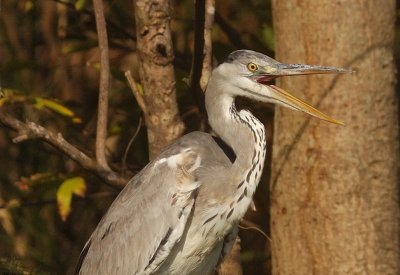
334,190
154,45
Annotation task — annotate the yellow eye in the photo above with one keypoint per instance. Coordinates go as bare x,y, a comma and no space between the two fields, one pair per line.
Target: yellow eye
252,67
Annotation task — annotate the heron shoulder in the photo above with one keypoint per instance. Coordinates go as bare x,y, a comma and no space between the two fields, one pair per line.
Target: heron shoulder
210,148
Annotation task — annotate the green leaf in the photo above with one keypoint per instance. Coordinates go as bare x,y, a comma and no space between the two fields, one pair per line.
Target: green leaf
54,106
77,186
80,4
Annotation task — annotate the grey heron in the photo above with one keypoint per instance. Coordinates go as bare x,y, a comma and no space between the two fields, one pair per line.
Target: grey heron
180,214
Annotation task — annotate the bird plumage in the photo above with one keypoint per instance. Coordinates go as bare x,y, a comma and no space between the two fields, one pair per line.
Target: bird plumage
145,229
180,214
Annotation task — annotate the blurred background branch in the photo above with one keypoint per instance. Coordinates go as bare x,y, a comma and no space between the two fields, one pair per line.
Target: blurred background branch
104,85
31,130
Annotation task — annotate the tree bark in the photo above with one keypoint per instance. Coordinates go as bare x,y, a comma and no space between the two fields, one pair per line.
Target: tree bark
334,190
154,45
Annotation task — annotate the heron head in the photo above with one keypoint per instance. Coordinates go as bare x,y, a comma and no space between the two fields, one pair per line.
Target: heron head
250,73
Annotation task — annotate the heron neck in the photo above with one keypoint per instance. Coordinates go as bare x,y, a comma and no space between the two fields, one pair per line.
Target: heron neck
240,130
246,136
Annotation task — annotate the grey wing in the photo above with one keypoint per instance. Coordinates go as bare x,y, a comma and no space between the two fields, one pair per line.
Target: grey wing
146,220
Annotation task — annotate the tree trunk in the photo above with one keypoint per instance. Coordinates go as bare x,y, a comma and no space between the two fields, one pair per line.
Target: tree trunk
334,189
154,45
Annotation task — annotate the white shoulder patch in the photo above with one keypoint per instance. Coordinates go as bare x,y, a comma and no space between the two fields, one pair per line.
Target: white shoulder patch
180,159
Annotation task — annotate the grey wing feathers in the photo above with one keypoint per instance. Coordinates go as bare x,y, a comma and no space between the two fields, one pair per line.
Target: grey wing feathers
146,219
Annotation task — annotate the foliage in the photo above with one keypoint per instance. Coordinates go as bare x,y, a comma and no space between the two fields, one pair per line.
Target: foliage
68,188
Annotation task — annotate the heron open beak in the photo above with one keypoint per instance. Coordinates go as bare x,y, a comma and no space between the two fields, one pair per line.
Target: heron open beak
268,73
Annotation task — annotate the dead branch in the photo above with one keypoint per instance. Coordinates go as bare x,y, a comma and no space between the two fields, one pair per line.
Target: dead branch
102,112
31,130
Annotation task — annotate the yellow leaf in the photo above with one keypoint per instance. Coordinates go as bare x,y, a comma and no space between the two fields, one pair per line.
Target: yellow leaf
77,186
54,106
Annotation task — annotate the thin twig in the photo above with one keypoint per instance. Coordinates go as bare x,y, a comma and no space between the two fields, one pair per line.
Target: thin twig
101,133
123,169
30,130
248,225
136,94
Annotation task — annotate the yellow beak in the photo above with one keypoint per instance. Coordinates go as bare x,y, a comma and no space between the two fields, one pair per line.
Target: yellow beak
277,69
300,105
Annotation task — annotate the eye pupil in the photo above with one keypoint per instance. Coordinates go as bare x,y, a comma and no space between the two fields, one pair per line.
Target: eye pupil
252,67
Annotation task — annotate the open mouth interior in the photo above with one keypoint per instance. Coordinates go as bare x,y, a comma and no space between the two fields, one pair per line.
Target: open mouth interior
266,79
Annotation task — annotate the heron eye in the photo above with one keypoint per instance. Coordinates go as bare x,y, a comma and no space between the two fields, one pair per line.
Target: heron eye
252,67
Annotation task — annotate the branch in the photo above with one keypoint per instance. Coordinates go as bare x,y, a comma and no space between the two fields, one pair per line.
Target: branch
202,52
30,130
101,134
198,54
249,225
207,51
128,147
136,94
